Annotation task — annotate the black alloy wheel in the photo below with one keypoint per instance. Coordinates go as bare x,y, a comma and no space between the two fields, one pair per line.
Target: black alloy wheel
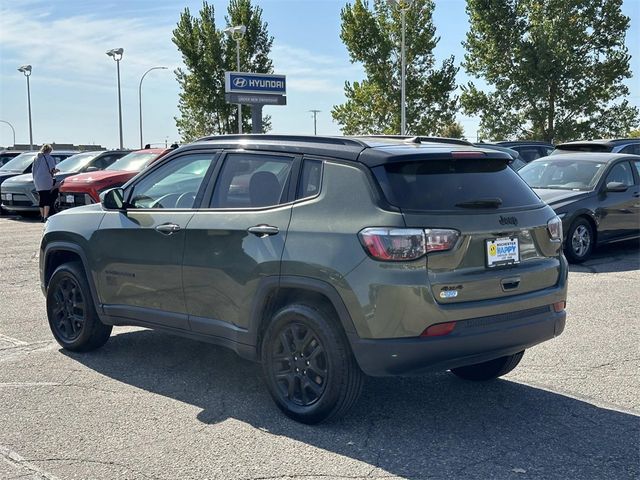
308,365
72,316
299,364
68,309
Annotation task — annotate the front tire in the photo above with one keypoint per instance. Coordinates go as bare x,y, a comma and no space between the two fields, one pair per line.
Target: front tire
71,313
580,241
308,366
489,370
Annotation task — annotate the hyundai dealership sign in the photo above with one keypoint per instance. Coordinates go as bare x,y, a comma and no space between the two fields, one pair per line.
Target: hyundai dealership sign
238,82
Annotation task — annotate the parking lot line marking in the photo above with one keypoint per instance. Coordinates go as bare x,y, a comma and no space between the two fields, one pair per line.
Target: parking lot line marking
29,384
16,460
14,341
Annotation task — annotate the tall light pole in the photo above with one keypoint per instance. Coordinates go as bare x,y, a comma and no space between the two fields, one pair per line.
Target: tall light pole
26,70
140,97
403,5
315,112
236,33
116,54
12,129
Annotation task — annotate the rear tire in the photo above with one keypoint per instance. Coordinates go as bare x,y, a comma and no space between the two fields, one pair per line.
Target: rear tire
489,370
308,366
72,315
580,241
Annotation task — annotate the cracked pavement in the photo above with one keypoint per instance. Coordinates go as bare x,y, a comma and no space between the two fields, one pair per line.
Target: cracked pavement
152,406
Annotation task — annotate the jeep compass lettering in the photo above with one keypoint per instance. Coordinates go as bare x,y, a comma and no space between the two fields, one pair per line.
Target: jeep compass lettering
323,258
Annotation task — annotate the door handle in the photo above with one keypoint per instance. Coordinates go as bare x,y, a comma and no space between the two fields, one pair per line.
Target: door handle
168,228
262,231
510,283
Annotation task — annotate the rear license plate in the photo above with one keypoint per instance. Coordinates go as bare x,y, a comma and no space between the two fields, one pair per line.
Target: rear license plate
69,199
502,251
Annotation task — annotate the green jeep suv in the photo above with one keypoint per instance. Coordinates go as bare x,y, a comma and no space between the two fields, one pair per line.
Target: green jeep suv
323,258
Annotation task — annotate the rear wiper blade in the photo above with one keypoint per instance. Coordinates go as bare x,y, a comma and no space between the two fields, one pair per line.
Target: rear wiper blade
481,203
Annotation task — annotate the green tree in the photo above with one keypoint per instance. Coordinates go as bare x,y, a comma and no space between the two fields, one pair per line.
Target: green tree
634,133
555,67
453,130
373,37
207,52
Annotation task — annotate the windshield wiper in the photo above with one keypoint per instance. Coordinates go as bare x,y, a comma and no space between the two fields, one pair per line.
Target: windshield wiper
481,203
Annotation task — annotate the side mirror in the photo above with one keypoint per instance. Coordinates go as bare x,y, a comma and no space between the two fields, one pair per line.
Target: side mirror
112,199
92,169
616,187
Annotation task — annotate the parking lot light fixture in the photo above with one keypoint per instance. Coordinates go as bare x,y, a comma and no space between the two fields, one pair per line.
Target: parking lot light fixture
404,6
140,97
236,33
26,70
116,54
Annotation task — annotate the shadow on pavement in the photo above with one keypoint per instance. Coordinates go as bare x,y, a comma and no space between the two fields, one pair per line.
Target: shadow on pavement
418,427
614,257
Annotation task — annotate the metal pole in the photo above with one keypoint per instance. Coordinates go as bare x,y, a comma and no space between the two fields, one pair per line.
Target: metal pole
119,103
12,129
403,113
239,105
29,102
140,98
315,112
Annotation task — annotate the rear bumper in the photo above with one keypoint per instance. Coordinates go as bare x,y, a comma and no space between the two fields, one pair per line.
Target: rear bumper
472,341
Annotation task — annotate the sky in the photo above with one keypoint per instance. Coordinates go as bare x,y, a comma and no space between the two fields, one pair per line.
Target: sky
74,84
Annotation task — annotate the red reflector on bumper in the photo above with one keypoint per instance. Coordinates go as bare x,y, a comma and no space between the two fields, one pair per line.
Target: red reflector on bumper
559,306
439,329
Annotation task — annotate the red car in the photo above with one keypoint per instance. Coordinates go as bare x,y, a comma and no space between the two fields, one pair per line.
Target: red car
85,188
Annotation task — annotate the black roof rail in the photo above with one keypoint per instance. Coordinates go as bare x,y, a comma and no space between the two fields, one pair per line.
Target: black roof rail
326,140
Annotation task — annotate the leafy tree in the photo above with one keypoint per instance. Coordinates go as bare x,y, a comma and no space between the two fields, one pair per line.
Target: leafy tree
634,133
208,52
453,130
556,68
373,38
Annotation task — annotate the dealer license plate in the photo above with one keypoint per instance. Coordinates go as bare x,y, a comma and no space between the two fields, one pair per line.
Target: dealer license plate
502,251
69,199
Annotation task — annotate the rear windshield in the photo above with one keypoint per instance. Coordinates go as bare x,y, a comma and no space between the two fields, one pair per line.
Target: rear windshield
453,184
581,147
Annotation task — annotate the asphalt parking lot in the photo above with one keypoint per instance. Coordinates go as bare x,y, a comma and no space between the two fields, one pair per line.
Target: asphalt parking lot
152,406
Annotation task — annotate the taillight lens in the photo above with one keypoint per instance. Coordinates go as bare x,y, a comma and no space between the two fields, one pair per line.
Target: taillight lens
439,329
440,239
554,227
403,244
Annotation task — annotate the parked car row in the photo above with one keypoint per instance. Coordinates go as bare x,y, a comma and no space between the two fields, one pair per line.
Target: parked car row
80,180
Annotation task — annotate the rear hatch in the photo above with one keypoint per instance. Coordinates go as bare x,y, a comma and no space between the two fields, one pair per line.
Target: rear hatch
487,230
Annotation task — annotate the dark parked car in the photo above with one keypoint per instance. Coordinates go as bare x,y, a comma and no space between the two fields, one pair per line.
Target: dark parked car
529,149
619,145
597,195
323,258
516,160
6,155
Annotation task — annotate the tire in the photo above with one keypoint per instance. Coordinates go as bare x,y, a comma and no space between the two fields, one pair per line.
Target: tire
580,241
68,294
489,370
320,387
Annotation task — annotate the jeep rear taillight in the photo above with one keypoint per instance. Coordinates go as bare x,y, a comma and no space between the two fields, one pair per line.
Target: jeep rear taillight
404,244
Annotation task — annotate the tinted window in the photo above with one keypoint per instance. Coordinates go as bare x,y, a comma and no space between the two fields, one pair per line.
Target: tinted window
620,173
310,179
442,184
637,164
529,154
250,181
173,185
633,149
557,173
105,160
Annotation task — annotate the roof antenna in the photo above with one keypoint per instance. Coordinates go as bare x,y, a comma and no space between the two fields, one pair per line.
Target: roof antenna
413,140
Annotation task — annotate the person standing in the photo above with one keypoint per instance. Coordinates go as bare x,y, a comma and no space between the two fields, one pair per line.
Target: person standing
44,169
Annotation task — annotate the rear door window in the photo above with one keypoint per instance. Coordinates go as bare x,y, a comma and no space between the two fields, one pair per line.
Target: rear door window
435,185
